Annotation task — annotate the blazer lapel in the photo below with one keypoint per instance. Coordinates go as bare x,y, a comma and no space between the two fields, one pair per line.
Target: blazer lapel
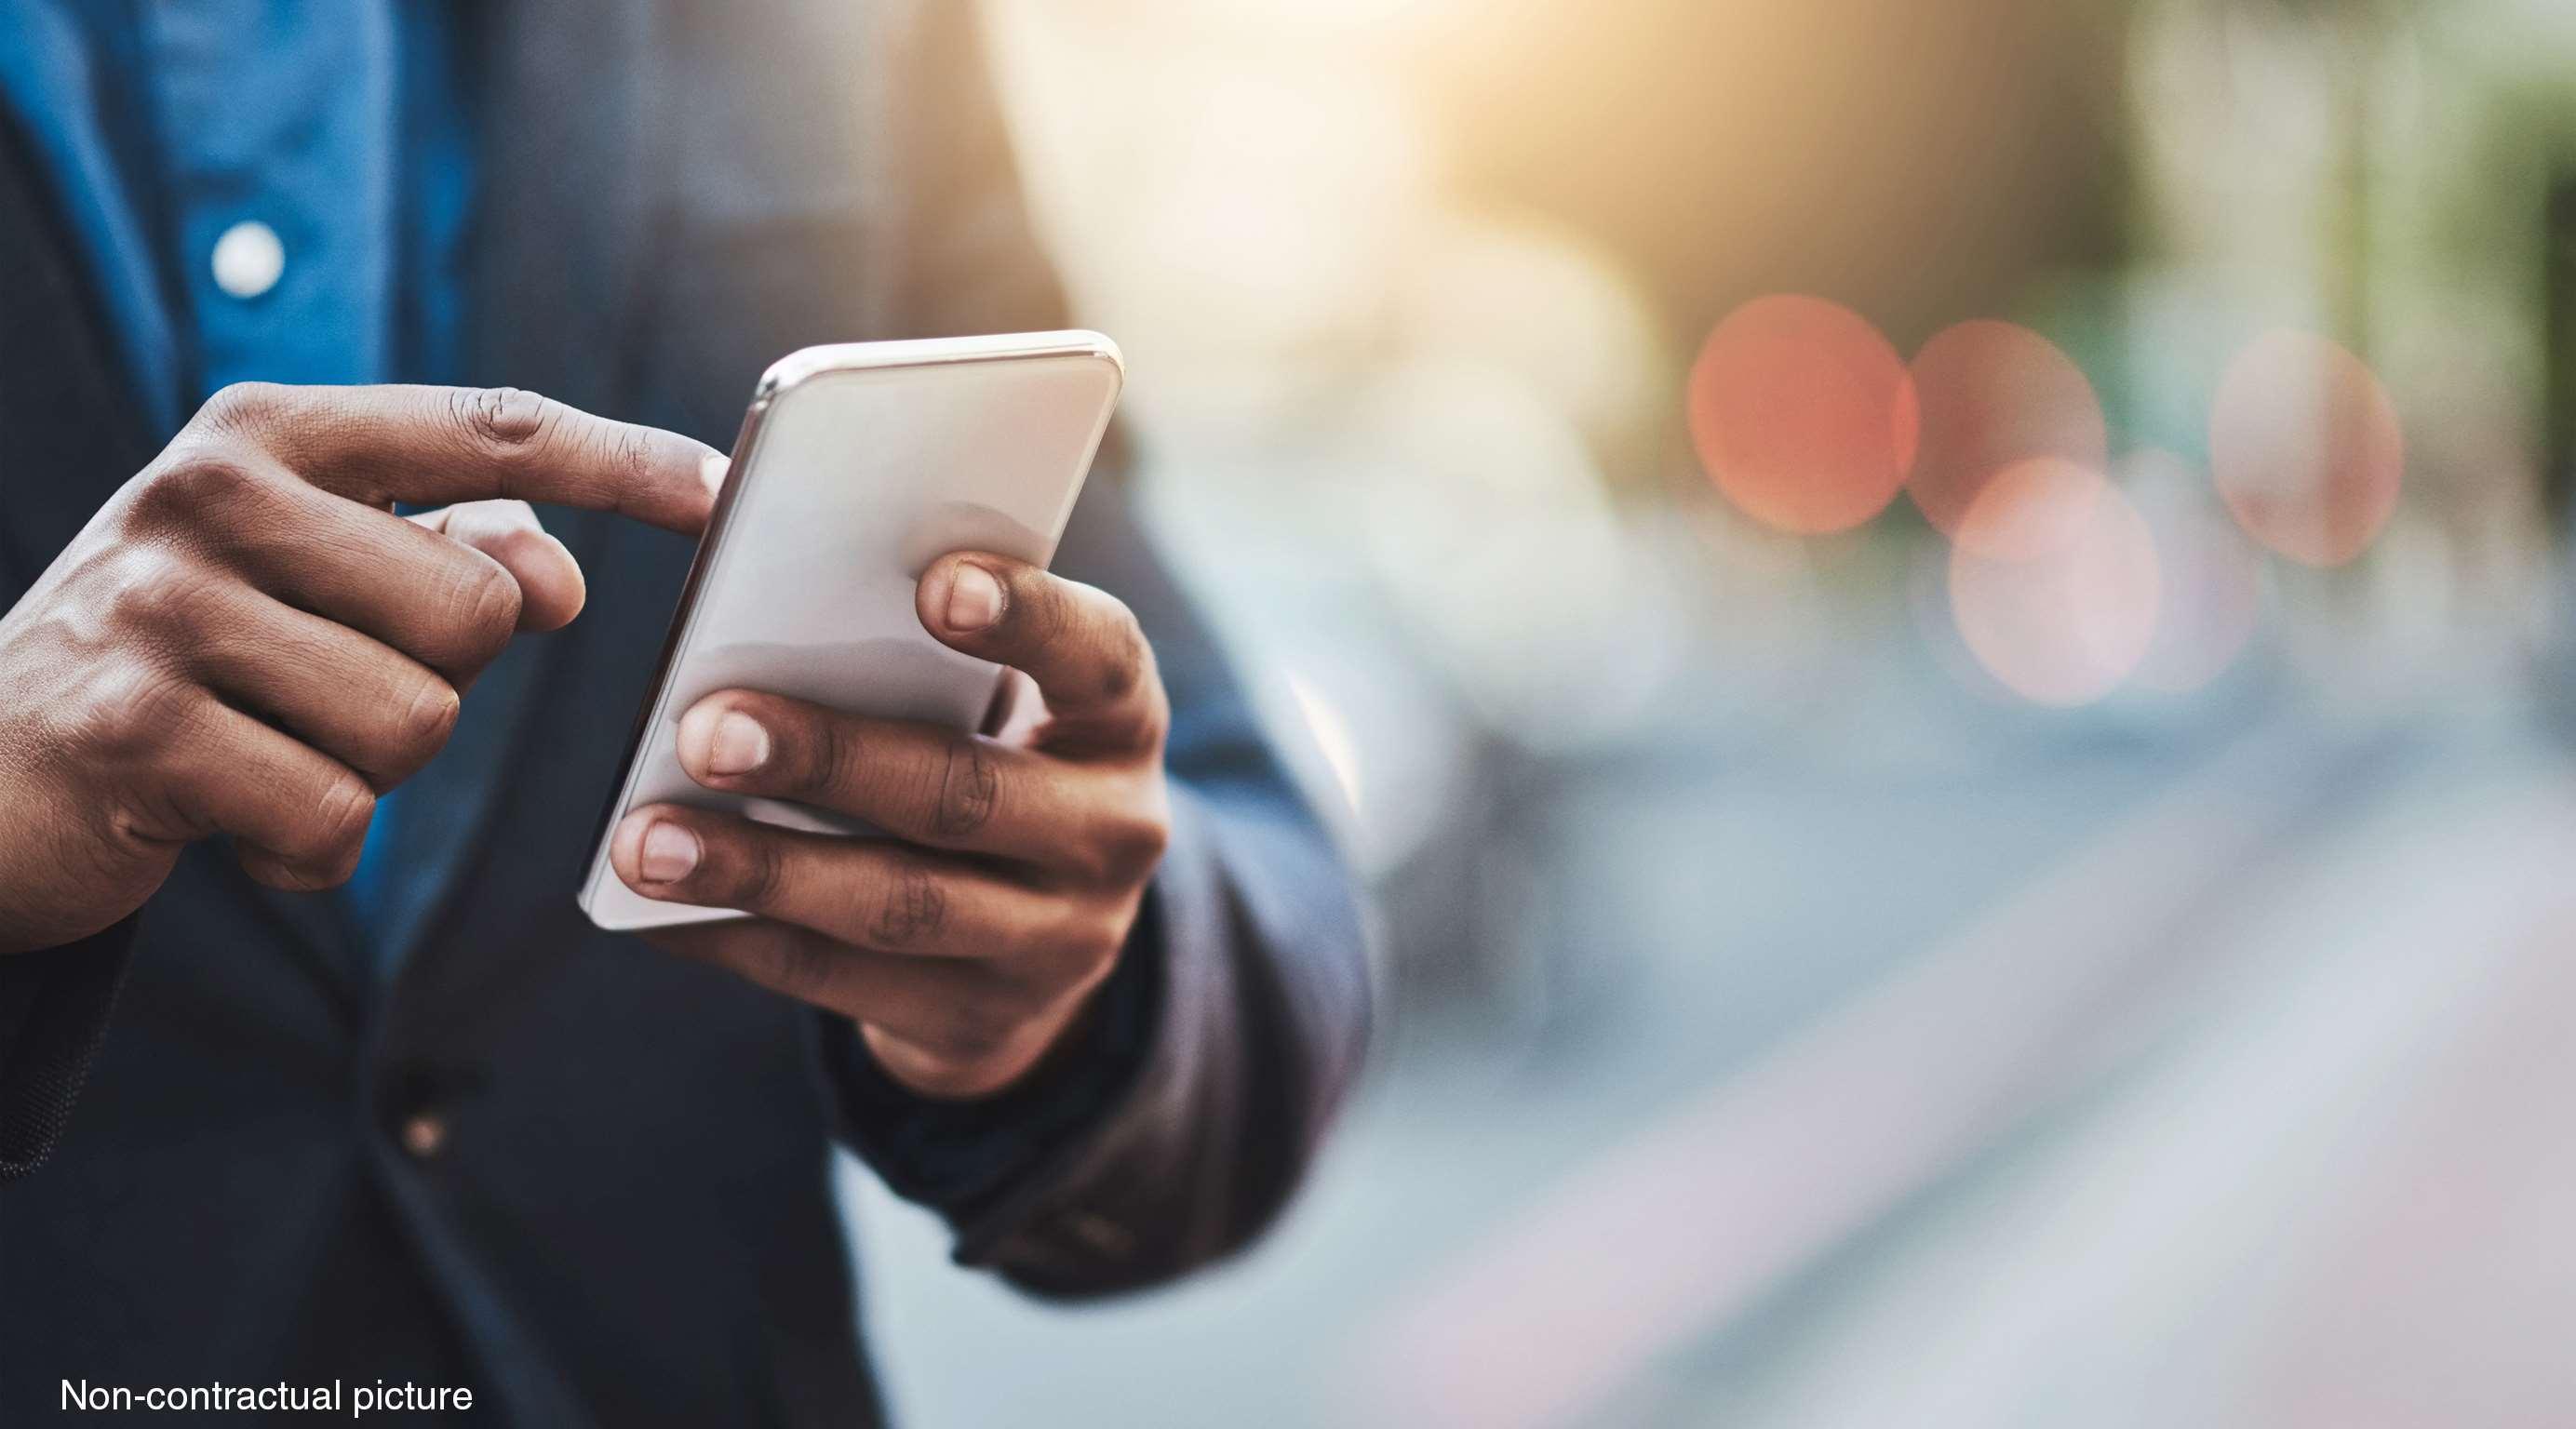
66,437
561,189
46,71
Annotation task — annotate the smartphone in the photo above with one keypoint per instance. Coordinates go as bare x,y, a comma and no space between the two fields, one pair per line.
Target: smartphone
858,465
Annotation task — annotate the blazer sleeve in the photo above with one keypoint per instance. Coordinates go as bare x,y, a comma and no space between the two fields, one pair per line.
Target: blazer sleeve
1177,1121
53,1015
1184,1113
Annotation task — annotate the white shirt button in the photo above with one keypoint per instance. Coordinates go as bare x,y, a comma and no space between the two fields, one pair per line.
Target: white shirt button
424,1134
248,259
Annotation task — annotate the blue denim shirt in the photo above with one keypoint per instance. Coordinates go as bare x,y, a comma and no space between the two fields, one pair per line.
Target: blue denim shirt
269,190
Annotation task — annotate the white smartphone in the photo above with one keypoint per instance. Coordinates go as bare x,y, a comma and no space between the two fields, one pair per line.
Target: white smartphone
857,466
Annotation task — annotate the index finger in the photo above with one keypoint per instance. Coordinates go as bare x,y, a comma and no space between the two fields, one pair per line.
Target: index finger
438,445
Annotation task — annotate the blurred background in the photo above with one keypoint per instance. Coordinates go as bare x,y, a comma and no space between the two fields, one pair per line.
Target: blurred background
1938,629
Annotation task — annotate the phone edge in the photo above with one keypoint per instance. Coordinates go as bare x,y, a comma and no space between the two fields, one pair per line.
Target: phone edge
782,376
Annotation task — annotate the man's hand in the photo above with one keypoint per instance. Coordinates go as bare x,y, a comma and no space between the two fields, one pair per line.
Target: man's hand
969,943
247,641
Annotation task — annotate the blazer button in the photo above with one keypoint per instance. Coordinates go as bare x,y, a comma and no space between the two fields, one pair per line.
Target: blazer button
424,1134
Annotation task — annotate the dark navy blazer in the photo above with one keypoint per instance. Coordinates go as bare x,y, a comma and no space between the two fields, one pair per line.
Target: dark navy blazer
628,1218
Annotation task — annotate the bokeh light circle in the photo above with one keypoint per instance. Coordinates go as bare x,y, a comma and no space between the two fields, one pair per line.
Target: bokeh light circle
2069,614
1802,414
2211,576
1993,394
2305,447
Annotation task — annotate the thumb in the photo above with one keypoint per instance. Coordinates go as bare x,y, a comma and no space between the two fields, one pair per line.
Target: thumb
551,589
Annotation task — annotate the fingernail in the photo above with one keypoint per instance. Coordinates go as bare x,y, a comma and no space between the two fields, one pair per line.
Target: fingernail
669,853
974,598
712,469
740,745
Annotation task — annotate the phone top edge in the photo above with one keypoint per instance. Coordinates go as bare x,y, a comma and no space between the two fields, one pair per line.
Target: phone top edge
810,362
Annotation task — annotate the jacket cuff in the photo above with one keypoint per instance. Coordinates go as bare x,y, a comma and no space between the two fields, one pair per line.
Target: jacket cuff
1106,1210
959,1157
1055,1186
54,1006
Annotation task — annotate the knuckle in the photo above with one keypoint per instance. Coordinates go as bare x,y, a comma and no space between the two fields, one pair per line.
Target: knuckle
1086,942
913,909
1123,654
755,874
153,589
131,708
180,491
1045,607
333,836
504,421
242,406
827,760
483,606
630,452
969,787
426,719
493,600
1133,847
